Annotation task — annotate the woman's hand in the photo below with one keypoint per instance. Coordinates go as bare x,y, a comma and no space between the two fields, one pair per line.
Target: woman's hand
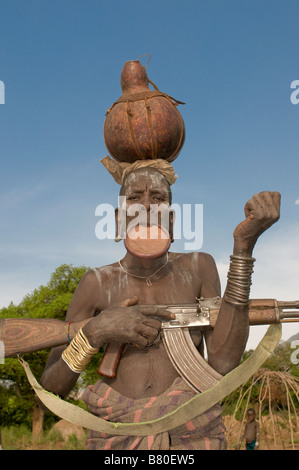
261,211
125,323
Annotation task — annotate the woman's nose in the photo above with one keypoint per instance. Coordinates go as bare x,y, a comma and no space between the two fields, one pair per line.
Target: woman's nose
147,202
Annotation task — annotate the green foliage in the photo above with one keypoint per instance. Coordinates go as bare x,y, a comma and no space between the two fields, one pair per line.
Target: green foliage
17,399
19,437
16,396
15,437
52,300
280,359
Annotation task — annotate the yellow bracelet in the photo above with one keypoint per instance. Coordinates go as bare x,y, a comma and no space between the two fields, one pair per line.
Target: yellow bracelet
79,353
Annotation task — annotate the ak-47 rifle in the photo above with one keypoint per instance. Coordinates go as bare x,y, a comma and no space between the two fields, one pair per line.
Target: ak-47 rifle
26,335
203,314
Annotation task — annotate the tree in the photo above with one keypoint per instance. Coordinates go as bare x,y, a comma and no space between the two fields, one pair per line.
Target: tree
17,400
280,359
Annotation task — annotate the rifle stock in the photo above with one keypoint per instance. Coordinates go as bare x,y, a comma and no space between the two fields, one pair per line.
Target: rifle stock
27,335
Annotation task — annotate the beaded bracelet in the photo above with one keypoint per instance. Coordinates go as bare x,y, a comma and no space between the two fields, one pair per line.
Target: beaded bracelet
68,331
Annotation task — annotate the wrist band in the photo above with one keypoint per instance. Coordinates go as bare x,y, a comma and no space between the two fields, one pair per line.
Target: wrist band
79,353
239,280
68,331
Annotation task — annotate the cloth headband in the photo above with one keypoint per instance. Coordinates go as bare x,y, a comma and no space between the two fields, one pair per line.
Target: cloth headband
120,170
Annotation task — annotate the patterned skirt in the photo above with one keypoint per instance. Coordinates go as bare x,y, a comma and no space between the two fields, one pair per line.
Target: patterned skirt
205,432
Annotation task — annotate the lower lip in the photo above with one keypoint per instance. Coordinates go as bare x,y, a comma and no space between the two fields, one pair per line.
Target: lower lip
147,241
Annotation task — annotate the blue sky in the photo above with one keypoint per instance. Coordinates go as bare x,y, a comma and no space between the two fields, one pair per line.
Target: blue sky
232,63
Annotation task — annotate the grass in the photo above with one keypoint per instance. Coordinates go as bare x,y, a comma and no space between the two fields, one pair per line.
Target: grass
20,438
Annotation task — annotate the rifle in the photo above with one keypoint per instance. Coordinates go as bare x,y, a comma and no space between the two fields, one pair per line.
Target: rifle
27,335
202,315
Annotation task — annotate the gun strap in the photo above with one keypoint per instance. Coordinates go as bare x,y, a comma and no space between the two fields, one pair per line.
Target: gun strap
194,407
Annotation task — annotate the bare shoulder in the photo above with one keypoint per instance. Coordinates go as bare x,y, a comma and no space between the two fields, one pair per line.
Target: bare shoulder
203,268
195,260
93,275
104,273
86,300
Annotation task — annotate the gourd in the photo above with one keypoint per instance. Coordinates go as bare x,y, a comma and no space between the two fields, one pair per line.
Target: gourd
143,123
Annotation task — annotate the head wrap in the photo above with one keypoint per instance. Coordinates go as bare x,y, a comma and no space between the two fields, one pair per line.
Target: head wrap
120,170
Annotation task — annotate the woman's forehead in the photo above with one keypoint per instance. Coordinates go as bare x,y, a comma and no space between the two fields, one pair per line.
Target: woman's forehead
148,177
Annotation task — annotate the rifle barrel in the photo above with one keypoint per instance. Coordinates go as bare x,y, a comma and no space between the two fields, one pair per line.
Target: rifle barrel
288,304
289,314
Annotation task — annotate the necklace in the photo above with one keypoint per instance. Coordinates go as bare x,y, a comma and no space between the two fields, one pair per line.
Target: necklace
147,278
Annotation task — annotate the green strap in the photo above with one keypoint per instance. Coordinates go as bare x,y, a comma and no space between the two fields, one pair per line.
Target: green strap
186,412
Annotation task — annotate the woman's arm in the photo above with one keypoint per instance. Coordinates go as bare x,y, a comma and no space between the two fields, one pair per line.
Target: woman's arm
58,378
226,343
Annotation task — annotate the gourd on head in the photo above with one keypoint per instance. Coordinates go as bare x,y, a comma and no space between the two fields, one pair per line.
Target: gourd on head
143,123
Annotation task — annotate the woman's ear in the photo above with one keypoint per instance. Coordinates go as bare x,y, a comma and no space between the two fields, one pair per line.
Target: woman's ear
118,237
171,224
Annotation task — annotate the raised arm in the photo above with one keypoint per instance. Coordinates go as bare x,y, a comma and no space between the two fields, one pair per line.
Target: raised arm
226,343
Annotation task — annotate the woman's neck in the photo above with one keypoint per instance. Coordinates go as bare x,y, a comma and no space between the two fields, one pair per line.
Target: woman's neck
143,266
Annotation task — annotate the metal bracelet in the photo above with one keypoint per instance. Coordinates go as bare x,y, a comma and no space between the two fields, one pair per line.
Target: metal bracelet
239,280
79,353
